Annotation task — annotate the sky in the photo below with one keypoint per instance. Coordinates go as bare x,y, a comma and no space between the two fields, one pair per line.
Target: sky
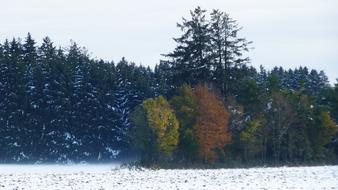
288,33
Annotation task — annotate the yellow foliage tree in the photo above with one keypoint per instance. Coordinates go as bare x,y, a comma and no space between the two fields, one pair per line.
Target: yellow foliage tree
163,122
211,128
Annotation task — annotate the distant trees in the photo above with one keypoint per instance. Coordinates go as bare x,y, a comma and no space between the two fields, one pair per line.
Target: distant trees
202,105
330,99
61,105
290,128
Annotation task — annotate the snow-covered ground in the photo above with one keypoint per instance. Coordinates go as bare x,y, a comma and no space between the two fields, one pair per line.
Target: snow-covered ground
83,177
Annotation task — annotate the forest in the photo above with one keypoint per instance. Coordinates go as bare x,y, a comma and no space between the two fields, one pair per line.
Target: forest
202,104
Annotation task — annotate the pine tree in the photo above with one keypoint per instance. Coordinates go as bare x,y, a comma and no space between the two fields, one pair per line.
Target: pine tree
108,133
163,84
228,49
15,96
32,111
191,58
87,108
29,50
126,96
33,101
4,101
51,106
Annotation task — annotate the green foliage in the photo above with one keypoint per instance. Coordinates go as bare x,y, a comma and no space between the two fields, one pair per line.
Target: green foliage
251,139
294,128
323,131
332,101
274,83
250,95
189,145
144,139
185,106
249,133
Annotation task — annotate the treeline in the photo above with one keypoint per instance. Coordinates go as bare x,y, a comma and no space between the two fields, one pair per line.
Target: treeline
60,105
231,113
203,104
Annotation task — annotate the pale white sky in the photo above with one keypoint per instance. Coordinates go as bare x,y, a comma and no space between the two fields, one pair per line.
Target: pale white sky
286,33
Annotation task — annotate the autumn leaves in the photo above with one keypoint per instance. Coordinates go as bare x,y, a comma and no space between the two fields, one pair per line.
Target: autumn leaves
192,127
212,125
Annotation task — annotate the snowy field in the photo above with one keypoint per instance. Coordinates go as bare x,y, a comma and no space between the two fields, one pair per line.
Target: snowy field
83,177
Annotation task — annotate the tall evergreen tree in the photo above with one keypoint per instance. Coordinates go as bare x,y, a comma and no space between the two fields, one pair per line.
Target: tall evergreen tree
228,49
191,58
124,97
163,84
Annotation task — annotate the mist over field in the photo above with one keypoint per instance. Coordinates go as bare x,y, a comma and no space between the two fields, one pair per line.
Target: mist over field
105,177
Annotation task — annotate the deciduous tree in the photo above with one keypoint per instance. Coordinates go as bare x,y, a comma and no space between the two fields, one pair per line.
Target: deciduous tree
211,128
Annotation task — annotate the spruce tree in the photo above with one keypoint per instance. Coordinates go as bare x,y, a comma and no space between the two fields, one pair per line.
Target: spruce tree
163,84
227,49
125,98
191,58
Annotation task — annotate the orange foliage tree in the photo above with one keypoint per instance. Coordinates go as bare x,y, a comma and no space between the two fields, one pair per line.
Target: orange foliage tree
211,128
